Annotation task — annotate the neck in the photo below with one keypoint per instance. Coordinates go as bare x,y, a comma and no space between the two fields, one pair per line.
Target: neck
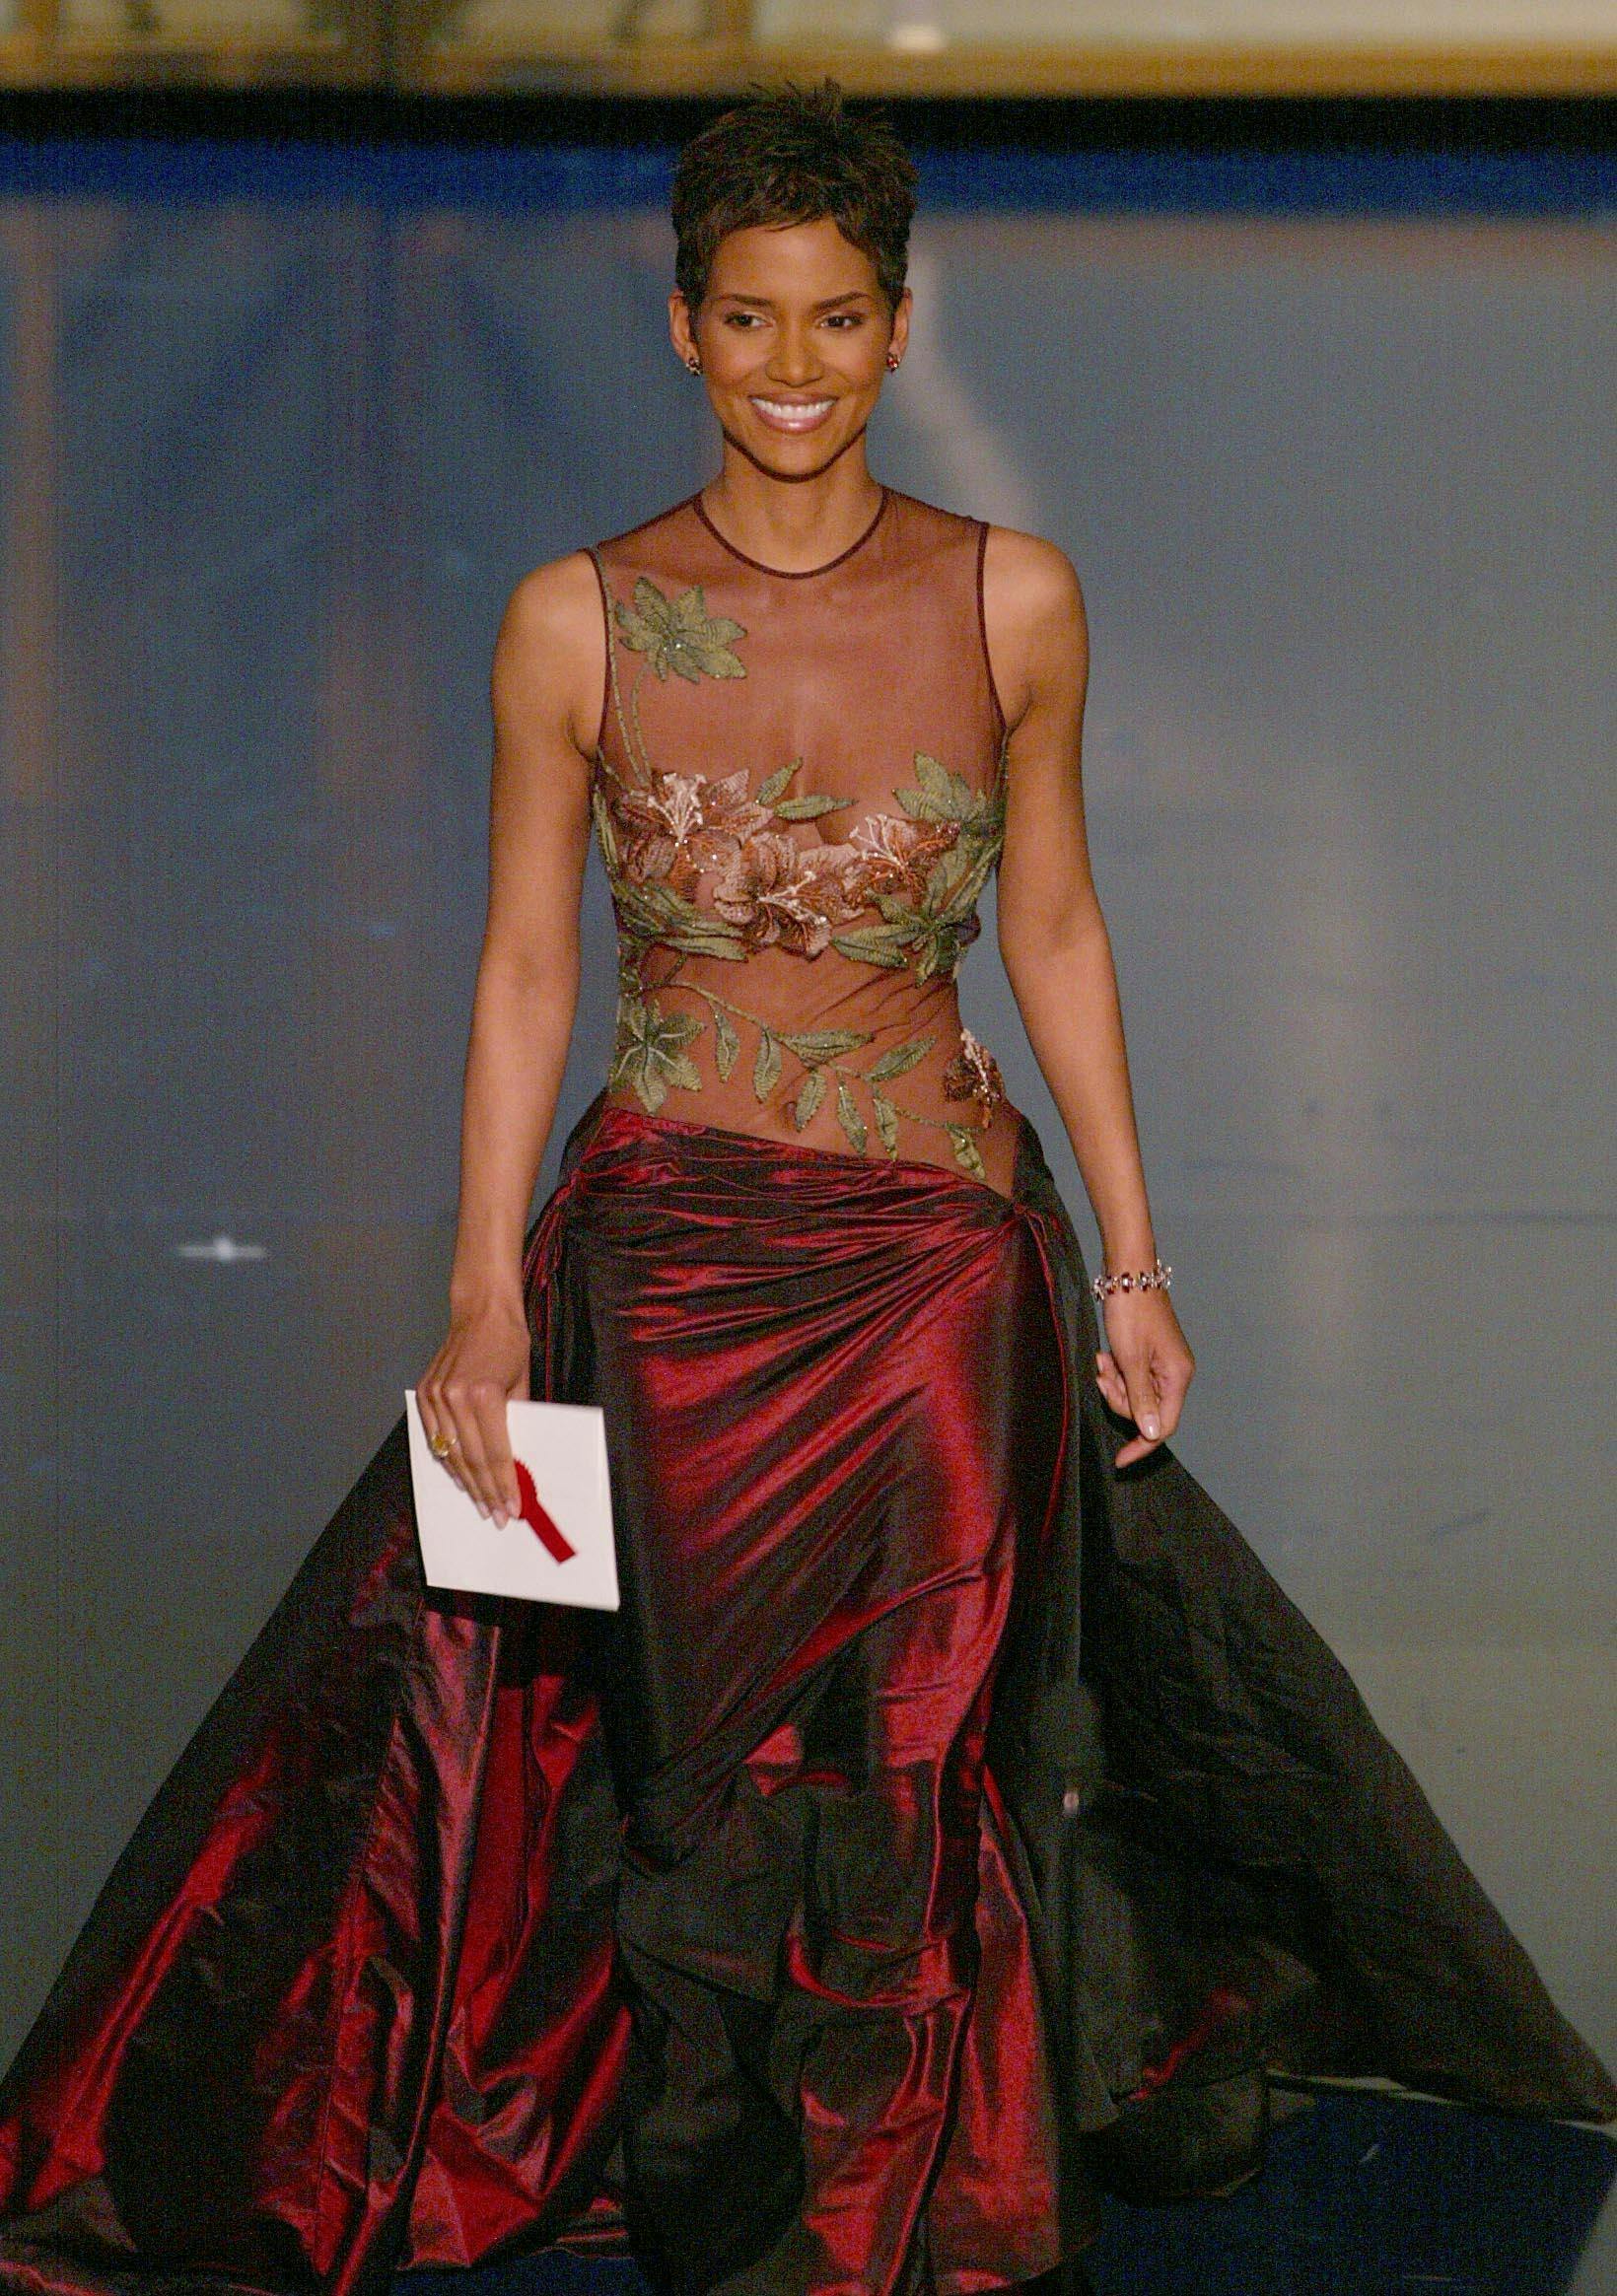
793,522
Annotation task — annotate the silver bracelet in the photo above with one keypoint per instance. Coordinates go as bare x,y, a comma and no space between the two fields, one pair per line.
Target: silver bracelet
1156,1277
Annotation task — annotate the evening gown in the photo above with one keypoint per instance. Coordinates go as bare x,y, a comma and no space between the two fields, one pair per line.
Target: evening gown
947,1828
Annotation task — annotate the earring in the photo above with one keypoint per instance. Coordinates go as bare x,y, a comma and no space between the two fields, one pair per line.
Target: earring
695,364
893,363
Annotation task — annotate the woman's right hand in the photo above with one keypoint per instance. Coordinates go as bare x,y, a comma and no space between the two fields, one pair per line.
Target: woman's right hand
481,1367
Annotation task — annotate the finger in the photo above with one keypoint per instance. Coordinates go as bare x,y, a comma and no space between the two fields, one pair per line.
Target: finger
486,1405
426,1403
1145,1408
469,1456
500,1471
1167,1415
1137,1447
1110,1382
1171,1384
438,1426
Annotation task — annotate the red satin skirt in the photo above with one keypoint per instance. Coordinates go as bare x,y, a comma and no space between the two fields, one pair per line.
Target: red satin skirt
946,1826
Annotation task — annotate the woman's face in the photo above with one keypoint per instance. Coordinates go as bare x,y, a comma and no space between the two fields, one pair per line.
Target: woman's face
792,335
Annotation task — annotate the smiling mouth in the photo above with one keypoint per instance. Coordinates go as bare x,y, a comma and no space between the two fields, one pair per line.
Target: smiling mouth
792,414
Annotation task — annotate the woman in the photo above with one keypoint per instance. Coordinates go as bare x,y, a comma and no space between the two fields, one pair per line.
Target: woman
827,1918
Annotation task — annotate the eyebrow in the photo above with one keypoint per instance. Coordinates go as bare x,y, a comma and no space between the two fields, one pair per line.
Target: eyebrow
828,303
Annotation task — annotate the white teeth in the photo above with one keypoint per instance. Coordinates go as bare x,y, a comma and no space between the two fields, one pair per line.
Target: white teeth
791,413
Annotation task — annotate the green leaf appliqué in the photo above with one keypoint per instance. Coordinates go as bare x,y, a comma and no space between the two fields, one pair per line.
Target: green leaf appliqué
808,1100
679,634
966,1151
725,1043
901,1059
766,1067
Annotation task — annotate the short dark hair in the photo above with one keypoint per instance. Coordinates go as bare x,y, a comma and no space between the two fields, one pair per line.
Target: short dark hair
788,156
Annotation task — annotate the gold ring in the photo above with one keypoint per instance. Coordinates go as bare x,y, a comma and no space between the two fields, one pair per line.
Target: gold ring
442,1445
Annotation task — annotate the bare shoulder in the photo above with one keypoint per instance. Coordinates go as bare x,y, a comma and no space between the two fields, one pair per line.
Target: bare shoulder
1033,612
550,654
1030,578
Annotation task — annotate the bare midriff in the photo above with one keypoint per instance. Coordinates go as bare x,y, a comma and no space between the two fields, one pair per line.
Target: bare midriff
856,1069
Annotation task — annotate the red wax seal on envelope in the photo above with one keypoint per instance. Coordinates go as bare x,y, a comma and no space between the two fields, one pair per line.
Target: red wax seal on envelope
555,1545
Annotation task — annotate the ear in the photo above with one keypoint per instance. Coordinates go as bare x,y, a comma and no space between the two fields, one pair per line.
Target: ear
901,322
681,329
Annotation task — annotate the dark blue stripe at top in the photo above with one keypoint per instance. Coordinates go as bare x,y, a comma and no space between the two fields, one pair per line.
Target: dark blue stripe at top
1260,180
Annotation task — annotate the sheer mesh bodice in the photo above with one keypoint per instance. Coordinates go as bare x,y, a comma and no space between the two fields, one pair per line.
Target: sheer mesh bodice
799,792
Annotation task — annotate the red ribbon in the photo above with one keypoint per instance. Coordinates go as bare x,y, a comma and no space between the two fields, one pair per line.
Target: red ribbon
1221,2003
550,1537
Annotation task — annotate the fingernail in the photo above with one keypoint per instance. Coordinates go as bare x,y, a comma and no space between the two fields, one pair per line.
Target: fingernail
1150,1427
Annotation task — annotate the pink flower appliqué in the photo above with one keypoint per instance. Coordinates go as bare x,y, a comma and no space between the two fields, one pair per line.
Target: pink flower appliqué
682,824
773,891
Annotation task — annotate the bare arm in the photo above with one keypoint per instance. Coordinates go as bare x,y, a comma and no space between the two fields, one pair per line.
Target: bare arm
1058,955
549,661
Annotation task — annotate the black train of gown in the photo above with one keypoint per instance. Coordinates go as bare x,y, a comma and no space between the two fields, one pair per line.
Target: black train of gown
351,2000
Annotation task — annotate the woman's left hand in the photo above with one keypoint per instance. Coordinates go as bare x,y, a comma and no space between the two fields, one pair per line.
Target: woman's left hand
1146,1369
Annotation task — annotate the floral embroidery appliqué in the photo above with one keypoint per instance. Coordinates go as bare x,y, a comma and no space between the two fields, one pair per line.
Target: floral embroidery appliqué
705,865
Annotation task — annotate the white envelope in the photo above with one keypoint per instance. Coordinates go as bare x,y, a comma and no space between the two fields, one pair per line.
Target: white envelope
560,1549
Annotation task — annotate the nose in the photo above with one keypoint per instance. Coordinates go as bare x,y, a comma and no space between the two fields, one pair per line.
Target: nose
794,358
